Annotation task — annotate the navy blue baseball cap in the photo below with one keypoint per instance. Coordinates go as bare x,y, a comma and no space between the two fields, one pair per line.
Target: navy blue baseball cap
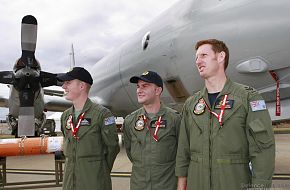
148,76
76,73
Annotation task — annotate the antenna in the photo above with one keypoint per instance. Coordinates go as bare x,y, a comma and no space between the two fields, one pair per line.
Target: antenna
72,57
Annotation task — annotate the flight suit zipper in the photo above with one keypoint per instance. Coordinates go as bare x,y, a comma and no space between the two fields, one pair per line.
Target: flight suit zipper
211,131
74,163
75,140
210,149
211,140
147,154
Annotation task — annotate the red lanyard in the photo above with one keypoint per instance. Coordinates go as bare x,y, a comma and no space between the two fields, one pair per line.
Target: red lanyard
223,107
158,123
74,130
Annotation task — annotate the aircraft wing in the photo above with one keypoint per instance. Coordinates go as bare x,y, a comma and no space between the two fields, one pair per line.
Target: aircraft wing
54,100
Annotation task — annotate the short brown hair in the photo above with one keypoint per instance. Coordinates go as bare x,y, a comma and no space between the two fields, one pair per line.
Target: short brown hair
217,46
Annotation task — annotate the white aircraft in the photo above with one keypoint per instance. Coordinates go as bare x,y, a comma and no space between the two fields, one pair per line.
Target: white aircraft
256,32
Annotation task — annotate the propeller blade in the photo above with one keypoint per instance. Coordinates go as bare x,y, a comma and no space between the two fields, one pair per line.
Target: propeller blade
48,79
28,43
26,97
26,124
28,33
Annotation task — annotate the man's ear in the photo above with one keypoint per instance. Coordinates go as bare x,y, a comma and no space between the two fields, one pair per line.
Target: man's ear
158,91
83,85
221,56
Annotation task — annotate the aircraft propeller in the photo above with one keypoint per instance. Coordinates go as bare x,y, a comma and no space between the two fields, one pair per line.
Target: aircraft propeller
27,77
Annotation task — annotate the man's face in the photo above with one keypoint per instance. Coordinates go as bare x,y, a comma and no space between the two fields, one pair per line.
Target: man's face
206,61
147,93
72,89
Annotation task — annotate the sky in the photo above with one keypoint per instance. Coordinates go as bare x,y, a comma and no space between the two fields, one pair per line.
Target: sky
94,27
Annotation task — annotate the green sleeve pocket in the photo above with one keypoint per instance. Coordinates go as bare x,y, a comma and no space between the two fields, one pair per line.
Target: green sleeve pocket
260,134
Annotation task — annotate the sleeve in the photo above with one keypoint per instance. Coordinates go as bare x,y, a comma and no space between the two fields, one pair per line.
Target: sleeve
177,124
183,150
61,124
261,141
127,138
110,138
64,133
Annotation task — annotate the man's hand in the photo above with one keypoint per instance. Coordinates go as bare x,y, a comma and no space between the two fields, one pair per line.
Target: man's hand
182,183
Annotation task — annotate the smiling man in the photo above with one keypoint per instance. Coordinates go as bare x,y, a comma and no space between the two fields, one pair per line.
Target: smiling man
226,139
150,135
90,136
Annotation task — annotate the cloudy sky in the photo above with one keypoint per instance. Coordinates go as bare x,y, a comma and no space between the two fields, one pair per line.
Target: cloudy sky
95,27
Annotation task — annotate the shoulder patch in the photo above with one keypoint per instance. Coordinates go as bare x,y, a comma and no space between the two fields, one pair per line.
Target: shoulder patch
258,105
109,120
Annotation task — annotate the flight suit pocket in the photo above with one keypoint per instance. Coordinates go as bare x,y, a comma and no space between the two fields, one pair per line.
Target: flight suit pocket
136,150
166,147
90,144
260,134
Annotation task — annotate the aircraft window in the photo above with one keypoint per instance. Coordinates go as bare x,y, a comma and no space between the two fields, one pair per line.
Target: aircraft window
145,40
176,89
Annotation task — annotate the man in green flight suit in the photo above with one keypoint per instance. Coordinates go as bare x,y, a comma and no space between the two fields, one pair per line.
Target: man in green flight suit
90,136
151,136
226,139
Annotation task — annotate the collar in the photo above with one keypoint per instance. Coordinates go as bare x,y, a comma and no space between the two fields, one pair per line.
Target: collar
86,107
161,112
225,90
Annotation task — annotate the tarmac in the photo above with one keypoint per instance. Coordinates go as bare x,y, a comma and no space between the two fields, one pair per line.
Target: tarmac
122,164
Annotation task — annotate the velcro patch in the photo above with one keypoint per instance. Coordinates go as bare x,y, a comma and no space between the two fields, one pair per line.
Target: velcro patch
162,124
229,104
258,105
109,120
86,122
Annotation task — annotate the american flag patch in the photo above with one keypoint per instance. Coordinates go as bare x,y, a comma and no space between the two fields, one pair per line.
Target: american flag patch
109,120
258,105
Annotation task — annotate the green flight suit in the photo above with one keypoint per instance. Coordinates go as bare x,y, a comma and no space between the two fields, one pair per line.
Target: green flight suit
216,157
153,162
90,158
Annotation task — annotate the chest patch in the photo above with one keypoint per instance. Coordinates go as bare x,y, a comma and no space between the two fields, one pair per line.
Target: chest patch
86,122
199,107
229,104
162,125
139,125
68,122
